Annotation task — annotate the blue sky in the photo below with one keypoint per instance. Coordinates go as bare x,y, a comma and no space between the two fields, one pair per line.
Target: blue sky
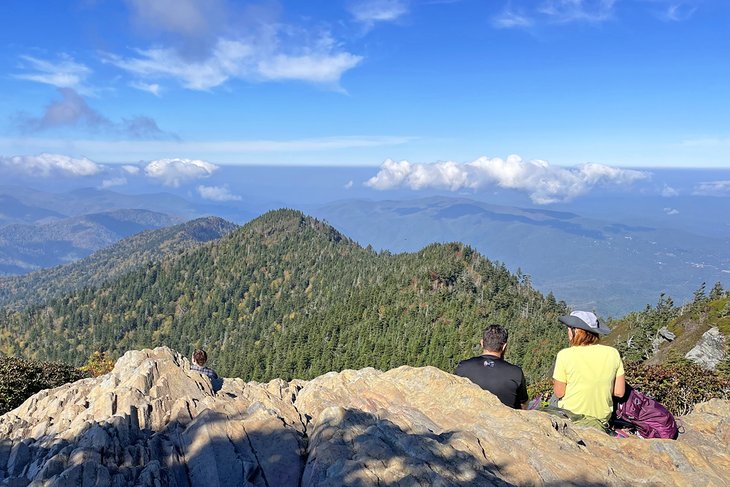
559,83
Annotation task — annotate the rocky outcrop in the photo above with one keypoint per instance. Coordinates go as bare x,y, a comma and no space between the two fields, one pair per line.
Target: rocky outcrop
666,334
153,422
710,350
663,335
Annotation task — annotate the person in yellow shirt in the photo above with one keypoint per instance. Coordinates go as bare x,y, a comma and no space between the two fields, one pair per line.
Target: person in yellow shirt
587,375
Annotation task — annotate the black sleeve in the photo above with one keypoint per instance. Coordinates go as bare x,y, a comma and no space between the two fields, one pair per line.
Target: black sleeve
522,396
459,370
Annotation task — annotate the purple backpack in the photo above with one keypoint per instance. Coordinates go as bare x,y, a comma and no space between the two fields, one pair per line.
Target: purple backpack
651,419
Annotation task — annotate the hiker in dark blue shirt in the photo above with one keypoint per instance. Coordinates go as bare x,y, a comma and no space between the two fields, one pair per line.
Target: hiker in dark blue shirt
494,374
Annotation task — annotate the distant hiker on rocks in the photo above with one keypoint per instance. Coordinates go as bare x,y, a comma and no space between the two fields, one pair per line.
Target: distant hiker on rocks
494,374
587,375
198,365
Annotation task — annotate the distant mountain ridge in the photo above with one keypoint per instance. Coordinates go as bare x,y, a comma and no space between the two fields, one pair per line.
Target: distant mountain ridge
607,266
32,205
24,248
287,295
13,210
111,262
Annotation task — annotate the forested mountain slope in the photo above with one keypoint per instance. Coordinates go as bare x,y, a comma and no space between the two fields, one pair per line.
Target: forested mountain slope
111,262
288,296
665,333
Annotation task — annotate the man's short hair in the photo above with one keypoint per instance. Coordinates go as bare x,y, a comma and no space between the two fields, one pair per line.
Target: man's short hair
494,337
200,357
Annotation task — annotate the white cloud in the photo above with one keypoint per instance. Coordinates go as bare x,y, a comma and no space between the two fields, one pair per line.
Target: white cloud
671,211
153,88
679,11
217,193
64,73
543,183
349,184
555,12
669,192
558,12
369,12
109,183
564,11
209,43
130,169
235,59
509,19
48,165
712,188
173,172
166,62
315,68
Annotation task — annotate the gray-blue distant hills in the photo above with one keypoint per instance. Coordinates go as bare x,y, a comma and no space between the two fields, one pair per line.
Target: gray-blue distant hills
605,251
605,266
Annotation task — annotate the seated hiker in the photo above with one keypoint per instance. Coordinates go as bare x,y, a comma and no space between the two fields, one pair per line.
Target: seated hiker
492,373
587,375
198,364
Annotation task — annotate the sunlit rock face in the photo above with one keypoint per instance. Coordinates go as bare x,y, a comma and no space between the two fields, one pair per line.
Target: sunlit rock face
153,422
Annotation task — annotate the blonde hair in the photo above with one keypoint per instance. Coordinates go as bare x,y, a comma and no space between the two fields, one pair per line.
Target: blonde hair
583,337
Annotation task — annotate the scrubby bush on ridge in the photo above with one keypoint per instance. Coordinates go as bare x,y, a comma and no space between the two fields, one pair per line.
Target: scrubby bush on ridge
678,386
20,379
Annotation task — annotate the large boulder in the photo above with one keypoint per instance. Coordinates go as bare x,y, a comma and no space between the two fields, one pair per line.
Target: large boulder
152,421
710,350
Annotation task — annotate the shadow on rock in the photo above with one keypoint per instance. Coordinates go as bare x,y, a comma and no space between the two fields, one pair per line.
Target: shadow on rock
151,422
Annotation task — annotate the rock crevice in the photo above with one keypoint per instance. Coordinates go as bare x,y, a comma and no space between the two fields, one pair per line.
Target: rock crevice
153,422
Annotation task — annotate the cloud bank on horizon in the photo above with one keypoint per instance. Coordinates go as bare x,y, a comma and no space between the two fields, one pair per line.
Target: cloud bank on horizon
174,172
544,183
541,182
49,165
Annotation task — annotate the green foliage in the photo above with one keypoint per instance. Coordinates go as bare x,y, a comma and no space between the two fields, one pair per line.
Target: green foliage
20,379
699,295
99,363
725,312
717,291
678,386
723,368
542,387
111,262
289,296
638,330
